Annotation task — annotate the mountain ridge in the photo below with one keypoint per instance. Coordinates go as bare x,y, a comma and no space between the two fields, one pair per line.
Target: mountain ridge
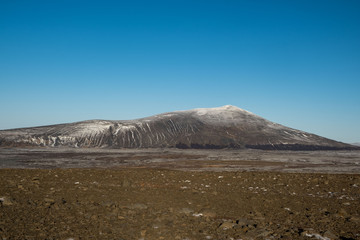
222,127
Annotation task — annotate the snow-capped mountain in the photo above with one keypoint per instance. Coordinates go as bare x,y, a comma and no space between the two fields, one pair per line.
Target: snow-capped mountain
222,127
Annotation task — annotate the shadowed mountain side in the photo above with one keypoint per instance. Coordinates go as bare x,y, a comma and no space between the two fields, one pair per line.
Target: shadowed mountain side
212,128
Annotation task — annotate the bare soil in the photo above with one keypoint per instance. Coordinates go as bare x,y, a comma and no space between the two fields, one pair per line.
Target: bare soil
208,200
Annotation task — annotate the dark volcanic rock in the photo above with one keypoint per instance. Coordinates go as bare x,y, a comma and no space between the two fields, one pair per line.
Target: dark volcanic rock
213,128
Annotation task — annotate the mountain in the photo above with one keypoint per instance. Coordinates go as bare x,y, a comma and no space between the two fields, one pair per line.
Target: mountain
222,127
356,144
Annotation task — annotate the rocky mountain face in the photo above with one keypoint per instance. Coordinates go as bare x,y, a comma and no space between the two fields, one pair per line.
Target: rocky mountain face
222,127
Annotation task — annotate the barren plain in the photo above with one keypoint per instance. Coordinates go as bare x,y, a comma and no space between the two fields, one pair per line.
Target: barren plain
60,193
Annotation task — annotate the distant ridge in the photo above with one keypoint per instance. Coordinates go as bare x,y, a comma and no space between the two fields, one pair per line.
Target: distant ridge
210,128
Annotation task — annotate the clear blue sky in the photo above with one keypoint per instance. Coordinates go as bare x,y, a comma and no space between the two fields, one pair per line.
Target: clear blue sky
293,62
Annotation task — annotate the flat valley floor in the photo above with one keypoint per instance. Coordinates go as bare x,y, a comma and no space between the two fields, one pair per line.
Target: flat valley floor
49,193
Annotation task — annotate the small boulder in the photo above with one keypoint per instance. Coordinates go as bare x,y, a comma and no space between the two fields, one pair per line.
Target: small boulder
6,201
226,225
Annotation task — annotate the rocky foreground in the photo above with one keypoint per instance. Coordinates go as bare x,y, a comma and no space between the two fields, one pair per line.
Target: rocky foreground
137,203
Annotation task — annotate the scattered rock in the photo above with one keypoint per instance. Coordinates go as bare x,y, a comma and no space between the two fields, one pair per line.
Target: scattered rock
330,235
226,225
197,214
49,202
243,222
36,180
6,201
110,211
314,235
264,233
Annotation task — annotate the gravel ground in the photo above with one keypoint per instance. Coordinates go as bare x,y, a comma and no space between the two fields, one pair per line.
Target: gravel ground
189,159
166,204
175,194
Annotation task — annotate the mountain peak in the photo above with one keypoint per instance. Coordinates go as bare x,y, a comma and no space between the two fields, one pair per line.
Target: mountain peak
227,110
234,109
220,127
230,107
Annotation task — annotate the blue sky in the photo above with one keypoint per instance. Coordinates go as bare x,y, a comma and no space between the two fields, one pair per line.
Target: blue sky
293,62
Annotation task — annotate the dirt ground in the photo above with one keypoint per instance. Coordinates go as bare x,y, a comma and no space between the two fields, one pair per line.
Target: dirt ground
189,159
141,202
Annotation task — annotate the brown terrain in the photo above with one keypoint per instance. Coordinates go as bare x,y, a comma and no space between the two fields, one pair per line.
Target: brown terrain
48,193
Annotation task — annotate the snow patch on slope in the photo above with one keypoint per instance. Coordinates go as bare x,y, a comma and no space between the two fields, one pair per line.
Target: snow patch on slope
223,115
124,128
91,127
226,111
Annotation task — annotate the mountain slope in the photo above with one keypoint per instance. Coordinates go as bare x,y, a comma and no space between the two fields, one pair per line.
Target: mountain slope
221,127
